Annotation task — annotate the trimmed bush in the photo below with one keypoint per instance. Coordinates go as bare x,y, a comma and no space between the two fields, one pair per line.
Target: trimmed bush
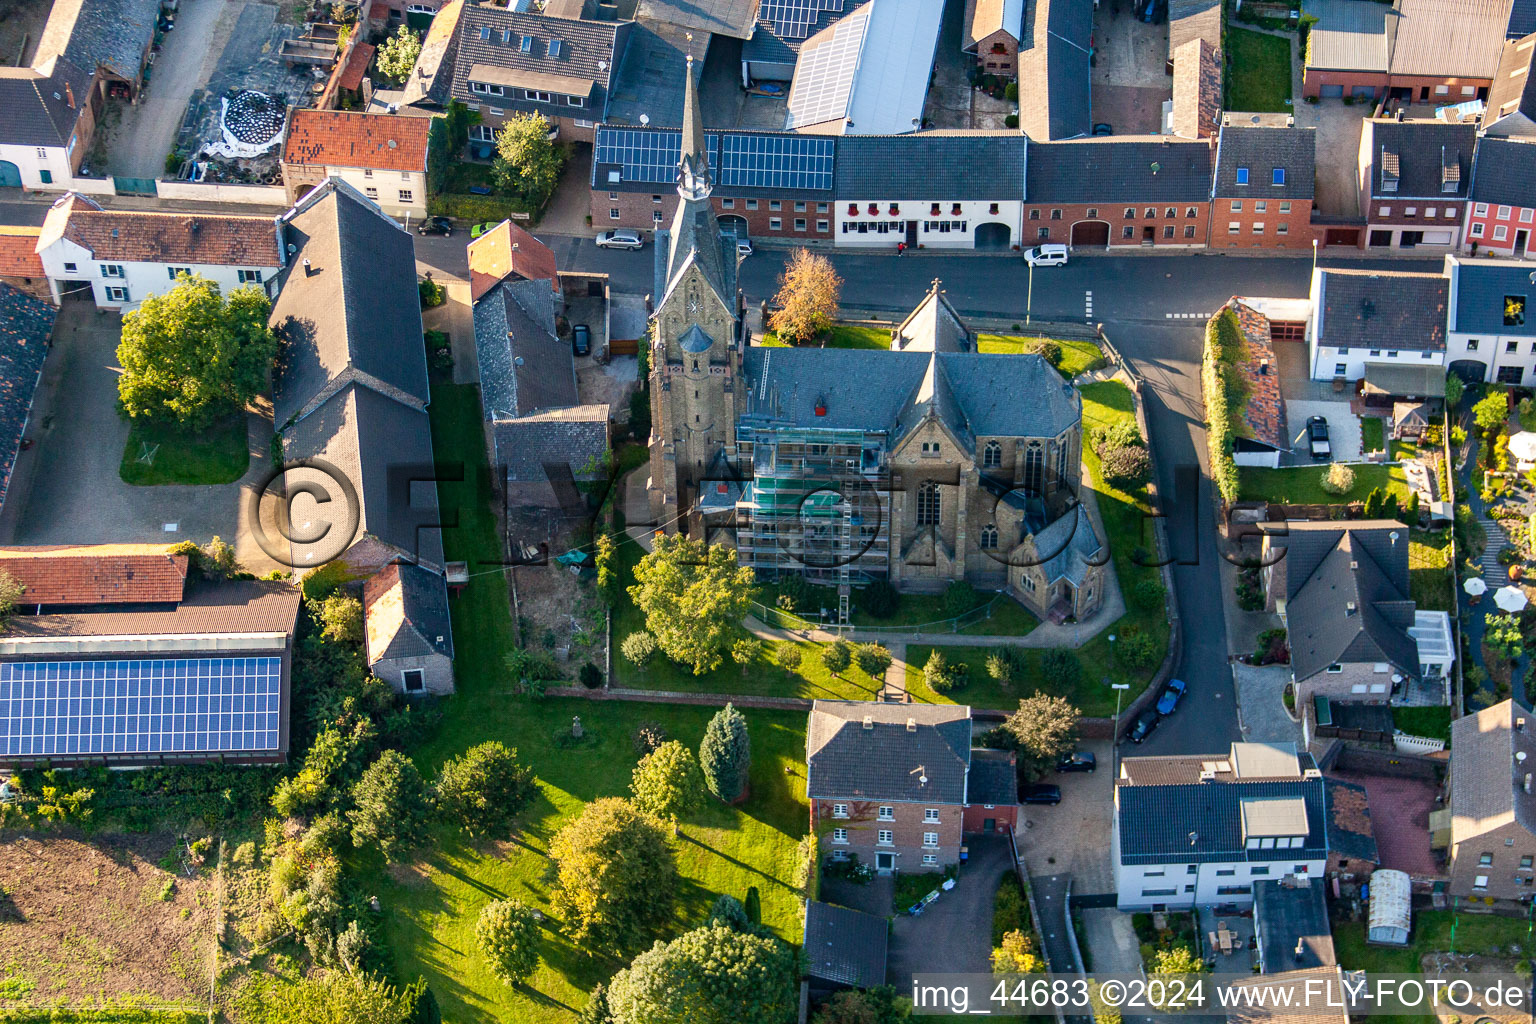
1338,479
1225,395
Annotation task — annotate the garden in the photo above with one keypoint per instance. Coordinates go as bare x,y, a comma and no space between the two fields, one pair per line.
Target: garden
1258,71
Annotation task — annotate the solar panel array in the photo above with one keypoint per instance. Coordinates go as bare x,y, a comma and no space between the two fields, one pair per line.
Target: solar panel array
168,706
793,19
735,160
824,74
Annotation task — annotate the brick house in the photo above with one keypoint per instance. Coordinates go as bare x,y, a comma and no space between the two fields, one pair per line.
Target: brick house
1110,192
383,156
1418,51
892,783
1414,178
1261,194
992,32
409,639
1501,216
1493,810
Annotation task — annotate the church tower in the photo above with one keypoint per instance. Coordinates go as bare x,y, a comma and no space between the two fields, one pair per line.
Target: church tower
695,360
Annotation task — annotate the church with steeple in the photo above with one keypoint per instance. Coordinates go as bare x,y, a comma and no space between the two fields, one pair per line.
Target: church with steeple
924,464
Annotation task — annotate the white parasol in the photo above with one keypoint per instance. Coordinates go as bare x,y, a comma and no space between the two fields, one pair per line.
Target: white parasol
1475,586
1510,599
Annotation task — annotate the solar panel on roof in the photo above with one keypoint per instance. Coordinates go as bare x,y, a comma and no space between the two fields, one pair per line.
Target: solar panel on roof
824,73
794,19
163,706
735,160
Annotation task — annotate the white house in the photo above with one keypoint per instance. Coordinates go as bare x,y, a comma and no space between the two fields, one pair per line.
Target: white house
1364,318
383,156
1197,831
1490,336
122,257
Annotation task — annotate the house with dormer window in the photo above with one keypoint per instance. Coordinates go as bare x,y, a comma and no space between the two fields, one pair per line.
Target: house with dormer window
1414,181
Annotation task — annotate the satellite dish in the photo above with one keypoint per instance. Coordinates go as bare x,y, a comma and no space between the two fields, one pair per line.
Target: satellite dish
602,65
645,118
922,780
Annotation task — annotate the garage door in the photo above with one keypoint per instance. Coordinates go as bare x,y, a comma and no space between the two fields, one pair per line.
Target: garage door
1333,92
1365,92
1436,238
1287,330
1090,233
10,174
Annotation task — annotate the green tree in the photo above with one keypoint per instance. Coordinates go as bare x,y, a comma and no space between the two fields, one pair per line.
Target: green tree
596,1010
1060,668
837,656
1040,732
711,975
11,590
327,997
746,651
1148,594
615,876
1374,502
397,54
639,648
694,597
787,654
1454,389
667,782
508,936
1504,635
190,356
1000,666
725,755
1491,412
872,659
605,557
390,807
939,674
868,1006
341,619
484,789
527,163
960,597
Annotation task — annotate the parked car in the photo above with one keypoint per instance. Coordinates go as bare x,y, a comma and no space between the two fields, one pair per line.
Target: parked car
581,339
1041,793
1103,128
622,238
1144,724
1050,255
1169,699
435,226
1077,761
743,248
1317,438
477,230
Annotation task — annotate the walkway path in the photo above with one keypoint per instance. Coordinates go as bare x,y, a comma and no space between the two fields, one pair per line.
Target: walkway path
1495,574
895,689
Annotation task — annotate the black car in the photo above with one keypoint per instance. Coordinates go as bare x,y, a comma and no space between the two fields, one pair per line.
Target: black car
1042,793
581,339
1318,445
435,226
1078,761
1144,724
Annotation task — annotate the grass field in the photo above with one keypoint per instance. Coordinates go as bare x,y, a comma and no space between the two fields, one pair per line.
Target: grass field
1303,485
1076,356
1372,434
218,455
1429,578
1432,722
1009,618
982,691
431,905
1260,77
840,336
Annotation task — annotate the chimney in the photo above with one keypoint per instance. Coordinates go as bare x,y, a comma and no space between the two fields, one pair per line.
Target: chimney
69,95
1350,608
307,270
1519,725
869,722
911,725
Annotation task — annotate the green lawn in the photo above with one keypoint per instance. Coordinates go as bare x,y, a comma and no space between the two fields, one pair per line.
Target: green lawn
1432,722
1259,72
1076,356
1429,579
840,336
431,906
1372,434
982,691
1008,618
1303,485
218,455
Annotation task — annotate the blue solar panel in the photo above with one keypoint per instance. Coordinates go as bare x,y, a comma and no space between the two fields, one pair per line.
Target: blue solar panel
169,706
736,161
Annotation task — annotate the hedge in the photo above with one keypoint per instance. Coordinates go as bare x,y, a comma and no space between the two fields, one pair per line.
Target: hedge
1226,392
475,208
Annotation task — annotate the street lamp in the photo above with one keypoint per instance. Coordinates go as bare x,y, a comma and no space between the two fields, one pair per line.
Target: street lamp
1029,300
1114,748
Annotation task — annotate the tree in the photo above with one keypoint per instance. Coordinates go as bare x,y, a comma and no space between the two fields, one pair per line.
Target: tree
1338,479
397,54
807,298
341,619
1125,466
327,997
527,163
711,975
787,654
508,936
745,651
1491,412
1454,389
729,911
390,809
880,599
1178,959
190,356
1411,513
1148,594
615,877
596,1010
694,597
1041,732
667,783
872,659
1060,668
959,598
1503,634
868,1006
837,656
605,558
1137,648
1000,667
939,674
725,755
11,590
639,648
1373,503
1016,955
483,789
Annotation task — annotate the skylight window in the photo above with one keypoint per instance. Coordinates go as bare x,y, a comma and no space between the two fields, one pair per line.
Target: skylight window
527,46
1278,176
554,47
1242,175
485,32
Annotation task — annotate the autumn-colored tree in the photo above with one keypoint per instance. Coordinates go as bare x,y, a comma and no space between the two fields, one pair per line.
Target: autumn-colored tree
807,298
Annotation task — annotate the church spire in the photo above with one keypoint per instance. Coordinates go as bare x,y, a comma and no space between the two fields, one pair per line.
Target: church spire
693,167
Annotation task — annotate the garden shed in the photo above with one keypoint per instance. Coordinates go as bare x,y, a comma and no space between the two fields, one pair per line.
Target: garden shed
1391,908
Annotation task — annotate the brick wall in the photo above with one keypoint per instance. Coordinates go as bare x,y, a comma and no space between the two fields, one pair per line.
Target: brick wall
1312,81
908,824
998,54
1281,224
1188,219
639,209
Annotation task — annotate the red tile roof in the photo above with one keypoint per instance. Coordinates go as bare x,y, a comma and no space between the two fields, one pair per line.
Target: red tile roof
339,138
357,63
508,249
98,574
1264,411
18,253
135,237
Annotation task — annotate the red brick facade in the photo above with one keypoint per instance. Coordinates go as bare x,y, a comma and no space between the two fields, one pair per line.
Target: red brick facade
1421,88
1261,223
765,218
861,823
1004,817
1393,216
998,54
1171,224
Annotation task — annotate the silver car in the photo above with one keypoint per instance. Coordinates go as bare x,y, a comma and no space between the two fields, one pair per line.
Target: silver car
622,238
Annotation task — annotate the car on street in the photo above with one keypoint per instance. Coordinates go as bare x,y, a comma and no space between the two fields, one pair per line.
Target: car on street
1144,724
435,226
1103,128
1318,445
743,248
1050,255
581,340
620,238
1041,793
1077,761
477,230
1169,698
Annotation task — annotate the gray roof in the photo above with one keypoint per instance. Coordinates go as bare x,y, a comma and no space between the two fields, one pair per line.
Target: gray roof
419,625
354,309
1194,19
1349,35
772,45
432,77
1157,818
523,366
735,18
207,606
1425,154
695,238
1347,596
1503,171
1349,819
589,53
1263,150
1054,69
844,759
1449,38
649,80
1383,309
26,326
931,167
845,947
1481,286
570,438
1070,546
1486,789
1522,19
1111,171
110,34
1290,916
994,778
1512,96
35,108
1402,379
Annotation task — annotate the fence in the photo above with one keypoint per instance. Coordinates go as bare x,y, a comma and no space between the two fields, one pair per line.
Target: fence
781,619
1407,744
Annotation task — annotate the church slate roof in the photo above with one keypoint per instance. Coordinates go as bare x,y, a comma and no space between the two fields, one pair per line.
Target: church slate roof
1070,547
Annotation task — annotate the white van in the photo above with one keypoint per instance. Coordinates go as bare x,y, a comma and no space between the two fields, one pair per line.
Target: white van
1052,255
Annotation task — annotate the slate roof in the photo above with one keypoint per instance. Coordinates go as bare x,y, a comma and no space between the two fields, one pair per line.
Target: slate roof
1481,286
584,66
523,366
1054,69
1197,75
1487,790
354,309
1264,412
342,138
1287,916
931,167
1350,35
994,778
844,759
432,78
845,947
18,252
1262,151
141,237
1503,171
1425,153
695,238
1513,91
1522,19
1347,596
506,250
405,609
1380,309
569,437
96,574
734,18
1448,38
1350,833
35,108
225,606
1193,19
26,325
111,34
1070,547
1109,171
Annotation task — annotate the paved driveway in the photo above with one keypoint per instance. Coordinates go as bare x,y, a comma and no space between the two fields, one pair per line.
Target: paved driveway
1343,429
954,935
1260,707
1073,837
